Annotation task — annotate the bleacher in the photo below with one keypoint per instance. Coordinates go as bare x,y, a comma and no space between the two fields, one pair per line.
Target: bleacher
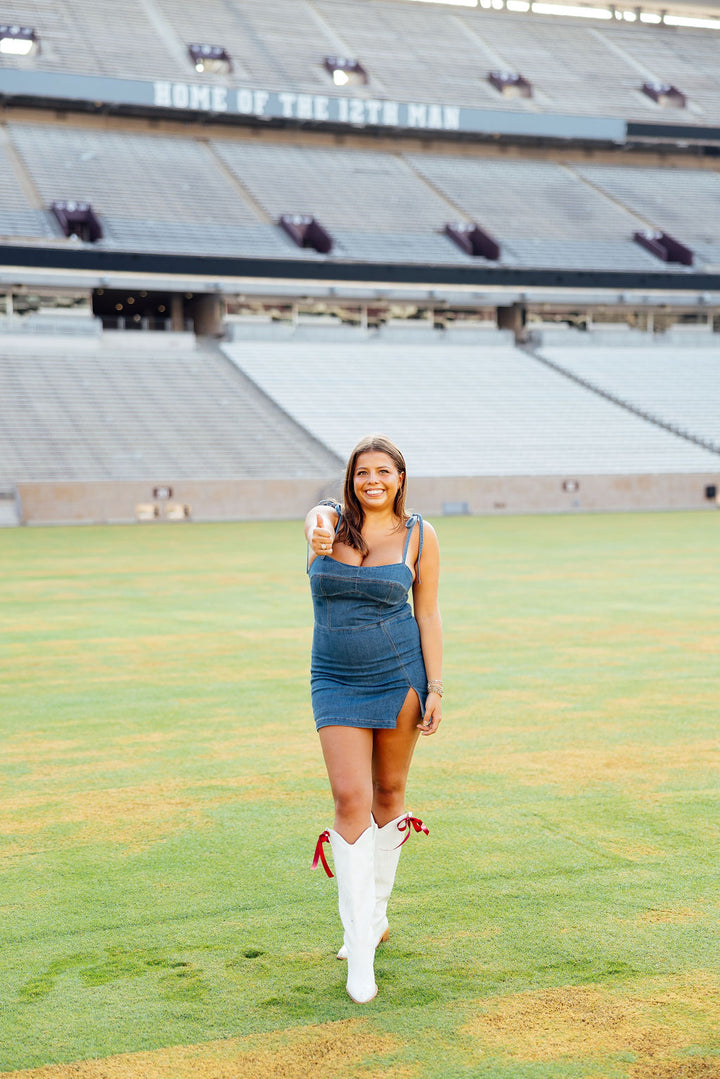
138,408
483,408
686,58
121,407
440,54
540,212
323,349
192,195
676,381
91,39
681,201
153,193
374,204
17,216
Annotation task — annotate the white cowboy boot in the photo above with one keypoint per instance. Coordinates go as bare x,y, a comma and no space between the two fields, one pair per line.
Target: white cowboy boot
388,845
356,900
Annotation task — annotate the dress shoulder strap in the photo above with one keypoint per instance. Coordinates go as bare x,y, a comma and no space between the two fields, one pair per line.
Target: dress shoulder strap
414,519
335,506
338,509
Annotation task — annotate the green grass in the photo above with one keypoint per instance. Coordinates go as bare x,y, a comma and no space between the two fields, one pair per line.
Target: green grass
162,789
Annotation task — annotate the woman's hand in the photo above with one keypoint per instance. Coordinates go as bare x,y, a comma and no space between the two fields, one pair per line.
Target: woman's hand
321,537
433,714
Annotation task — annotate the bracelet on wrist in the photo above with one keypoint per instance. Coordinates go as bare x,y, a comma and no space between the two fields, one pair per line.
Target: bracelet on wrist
435,686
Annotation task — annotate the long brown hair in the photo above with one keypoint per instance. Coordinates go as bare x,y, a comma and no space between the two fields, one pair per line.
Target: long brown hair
353,517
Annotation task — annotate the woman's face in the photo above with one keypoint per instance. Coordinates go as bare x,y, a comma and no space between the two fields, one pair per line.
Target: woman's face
376,480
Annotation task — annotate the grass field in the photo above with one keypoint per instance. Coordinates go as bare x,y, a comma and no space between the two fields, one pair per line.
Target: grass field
162,791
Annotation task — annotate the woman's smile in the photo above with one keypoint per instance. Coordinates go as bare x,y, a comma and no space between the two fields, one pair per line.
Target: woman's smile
376,479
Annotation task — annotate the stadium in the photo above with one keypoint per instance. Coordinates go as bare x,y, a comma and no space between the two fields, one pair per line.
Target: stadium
238,236
215,242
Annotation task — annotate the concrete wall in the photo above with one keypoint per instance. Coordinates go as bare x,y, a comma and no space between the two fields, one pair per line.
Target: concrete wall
229,500
562,494
116,501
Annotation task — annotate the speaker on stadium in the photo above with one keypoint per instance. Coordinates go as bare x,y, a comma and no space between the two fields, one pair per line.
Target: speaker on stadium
711,491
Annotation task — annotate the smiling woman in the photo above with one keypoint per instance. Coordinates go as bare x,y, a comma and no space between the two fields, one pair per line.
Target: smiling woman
375,680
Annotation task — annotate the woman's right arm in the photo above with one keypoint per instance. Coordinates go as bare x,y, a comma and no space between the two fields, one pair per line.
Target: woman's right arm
320,525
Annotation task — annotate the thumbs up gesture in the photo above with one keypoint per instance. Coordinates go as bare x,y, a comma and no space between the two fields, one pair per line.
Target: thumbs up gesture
321,539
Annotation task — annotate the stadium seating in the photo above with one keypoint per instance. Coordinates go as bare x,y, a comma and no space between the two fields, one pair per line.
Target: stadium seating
124,407
459,409
439,54
687,59
373,204
540,211
133,409
673,381
152,193
680,201
224,196
290,399
92,39
17,216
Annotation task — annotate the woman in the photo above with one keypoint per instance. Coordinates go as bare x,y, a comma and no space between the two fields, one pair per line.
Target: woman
376,670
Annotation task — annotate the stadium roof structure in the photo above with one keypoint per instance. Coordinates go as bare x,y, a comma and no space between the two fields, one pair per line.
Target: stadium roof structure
684,9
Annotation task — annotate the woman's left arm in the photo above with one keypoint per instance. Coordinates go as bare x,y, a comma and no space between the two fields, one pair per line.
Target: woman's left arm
427,616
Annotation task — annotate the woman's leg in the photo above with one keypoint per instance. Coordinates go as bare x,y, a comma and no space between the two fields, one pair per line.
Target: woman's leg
348,753
392,754
348,757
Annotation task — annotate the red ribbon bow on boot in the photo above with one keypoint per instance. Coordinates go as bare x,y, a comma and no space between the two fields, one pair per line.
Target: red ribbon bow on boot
407,824
323,838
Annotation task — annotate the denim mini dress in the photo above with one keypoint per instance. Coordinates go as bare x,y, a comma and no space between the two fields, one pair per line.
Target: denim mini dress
366,651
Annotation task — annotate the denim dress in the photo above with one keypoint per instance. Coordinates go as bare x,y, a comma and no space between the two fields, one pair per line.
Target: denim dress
366,651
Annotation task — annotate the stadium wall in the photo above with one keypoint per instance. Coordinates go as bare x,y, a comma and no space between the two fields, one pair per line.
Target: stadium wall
116,502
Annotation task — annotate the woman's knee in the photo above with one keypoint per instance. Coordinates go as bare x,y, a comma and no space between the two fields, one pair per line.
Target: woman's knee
352,802
388,791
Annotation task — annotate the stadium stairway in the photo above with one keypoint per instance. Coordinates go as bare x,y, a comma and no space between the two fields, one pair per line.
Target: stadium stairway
9,509
459,407
669,382
140,406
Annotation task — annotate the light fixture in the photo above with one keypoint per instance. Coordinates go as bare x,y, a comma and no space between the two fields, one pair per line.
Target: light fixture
664,247
700,24
306,231
572,10
664,94
473,240
213,59
77,220
588,11
18,40
344,70
455,3
510,83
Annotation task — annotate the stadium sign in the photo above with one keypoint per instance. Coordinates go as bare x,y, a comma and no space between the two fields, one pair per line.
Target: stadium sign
289,106
320,108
